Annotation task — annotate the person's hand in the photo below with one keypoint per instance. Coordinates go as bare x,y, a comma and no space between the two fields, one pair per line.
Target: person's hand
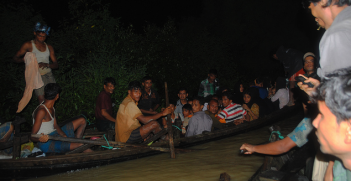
305,87
43,65
167,111
44,138
248,147
245,107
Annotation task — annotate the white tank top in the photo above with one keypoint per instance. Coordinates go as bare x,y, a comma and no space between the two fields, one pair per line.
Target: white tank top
42,57
46,127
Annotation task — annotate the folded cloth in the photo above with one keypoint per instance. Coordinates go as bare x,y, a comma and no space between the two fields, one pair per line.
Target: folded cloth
33,79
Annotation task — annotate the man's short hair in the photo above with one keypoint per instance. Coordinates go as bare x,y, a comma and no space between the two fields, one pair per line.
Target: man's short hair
228,95
212,100
190,99
306,3
258,80
212,71
173,101
134,85
182,89
146,78
51,90
200,99
110,80
187,107
335,91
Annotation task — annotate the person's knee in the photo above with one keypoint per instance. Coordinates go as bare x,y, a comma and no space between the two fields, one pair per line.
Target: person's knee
81,121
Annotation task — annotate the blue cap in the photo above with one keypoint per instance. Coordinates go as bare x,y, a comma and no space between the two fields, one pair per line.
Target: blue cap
43,28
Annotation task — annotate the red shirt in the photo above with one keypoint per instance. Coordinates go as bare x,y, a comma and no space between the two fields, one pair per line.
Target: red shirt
103,101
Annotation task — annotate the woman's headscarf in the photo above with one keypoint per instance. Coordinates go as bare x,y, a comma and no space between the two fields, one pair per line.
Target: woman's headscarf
238,96
255,95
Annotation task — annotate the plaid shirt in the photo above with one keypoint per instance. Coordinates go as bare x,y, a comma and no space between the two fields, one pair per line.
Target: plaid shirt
207,88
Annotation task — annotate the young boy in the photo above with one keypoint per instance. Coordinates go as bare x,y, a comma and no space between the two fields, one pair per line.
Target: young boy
232,112
174,115
182,95
187,113
150,100
210,85
200,121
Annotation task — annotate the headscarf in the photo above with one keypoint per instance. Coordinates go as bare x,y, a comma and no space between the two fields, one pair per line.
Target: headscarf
238,96
255,95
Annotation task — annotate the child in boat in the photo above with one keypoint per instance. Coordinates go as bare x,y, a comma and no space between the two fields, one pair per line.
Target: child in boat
232,112
174,115
200,121
187,113
128,129
45,123
182,95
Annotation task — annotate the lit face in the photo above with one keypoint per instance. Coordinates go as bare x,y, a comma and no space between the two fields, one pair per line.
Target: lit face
147,84
190,102
186,113
211,77
109,88
247,98
321,14
40,36
213,107
172,106
226,101
241,88
309,64
331,135
197,106
135,94
182,95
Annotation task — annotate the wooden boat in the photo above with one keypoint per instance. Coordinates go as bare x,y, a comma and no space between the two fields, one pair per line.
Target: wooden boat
25,168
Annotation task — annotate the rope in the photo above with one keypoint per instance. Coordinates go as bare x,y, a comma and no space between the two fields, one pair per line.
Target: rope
278,133
177,127
108,147
89,123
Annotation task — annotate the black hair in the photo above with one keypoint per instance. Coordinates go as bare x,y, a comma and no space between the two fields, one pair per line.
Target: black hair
181,89
110,80
258,80
340,3
200,99
252,83
214,95
134,85
187,107
228,95
212,71
51,90
335,91
146,78
212,100
190,99
173,101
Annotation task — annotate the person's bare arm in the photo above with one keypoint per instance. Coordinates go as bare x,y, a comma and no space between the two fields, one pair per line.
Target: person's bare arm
305,87
249,112
39,116
18,58
54,64
155,108
58,129
148,112
329,172
107,115
146,119
274,148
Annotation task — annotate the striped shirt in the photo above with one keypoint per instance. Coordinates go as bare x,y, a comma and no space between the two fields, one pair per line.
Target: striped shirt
232,112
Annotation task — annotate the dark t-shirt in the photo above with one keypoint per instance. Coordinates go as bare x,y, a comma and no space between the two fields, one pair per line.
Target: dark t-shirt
103,101
147,101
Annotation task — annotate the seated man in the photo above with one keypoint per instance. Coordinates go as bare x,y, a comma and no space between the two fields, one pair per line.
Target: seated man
45,123
6,134
232,112
182,95
212,110
200,121
128,129
187,113
150,100
103,109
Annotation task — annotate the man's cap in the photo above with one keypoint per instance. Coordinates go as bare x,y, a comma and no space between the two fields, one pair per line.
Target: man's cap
43,28
309,54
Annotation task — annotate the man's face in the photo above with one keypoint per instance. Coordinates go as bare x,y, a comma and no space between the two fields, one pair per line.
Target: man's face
172,106
211,77
247,98
226,101
135,94
321,14
147,84
186,113
331,135
40,36
109,88
197,106
309,63
213,107
182,95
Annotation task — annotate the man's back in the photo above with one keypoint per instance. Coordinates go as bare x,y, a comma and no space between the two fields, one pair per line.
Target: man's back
198,123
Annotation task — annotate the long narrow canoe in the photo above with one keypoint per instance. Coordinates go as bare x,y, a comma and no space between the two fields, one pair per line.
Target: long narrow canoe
25,168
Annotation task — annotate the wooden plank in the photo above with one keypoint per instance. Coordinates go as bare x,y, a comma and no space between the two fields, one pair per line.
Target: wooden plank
156,136
9,144
169,125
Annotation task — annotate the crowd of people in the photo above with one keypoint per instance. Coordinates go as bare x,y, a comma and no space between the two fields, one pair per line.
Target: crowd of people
215,107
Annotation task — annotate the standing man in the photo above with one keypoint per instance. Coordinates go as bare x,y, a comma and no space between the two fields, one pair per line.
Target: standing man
182,94
103,109
42,52
210,85
150,100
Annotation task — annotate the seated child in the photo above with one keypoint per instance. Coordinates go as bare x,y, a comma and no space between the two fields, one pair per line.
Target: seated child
174,115
232,112
187,113
200,121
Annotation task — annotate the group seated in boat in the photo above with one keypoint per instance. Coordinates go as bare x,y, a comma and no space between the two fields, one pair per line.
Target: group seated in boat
128,129
45,123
